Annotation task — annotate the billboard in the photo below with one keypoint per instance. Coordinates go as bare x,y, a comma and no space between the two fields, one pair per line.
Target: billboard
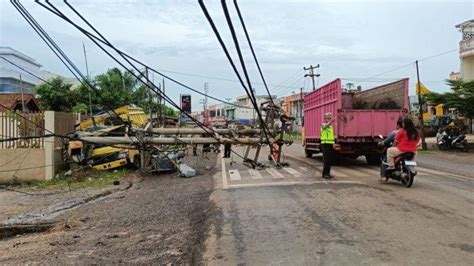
185,103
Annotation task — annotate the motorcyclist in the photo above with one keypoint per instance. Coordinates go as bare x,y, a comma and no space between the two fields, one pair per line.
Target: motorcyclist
406,140
391,137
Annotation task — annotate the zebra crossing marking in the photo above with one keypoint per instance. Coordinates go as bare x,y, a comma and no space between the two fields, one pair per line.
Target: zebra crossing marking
254,174
274,173
234,175
292,171
303,168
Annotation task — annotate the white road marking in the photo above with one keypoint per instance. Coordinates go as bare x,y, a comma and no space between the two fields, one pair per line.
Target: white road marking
254,174
274,173
337,172
234,175
292,171
347,172
290,183
303,168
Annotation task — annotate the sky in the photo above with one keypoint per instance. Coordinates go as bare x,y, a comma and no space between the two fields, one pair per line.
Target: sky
357,41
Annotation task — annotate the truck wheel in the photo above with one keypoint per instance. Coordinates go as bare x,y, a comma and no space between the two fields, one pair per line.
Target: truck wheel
373,159
308,154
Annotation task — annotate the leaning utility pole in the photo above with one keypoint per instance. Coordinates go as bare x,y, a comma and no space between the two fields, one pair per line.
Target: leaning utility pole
150,113
311,74
163,103
301,103
23,109
87,75
420,103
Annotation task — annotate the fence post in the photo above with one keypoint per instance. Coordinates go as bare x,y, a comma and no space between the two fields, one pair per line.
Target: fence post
49,146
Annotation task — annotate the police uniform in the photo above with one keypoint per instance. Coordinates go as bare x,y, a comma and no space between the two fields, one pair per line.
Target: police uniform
327,143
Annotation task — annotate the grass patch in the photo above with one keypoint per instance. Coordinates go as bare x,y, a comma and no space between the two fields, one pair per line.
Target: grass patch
292,137
85,179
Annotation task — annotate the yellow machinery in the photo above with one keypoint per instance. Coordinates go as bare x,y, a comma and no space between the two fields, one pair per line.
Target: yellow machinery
101,158
135,115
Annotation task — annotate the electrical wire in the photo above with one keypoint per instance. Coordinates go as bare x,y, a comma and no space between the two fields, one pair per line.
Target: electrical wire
26,71
105,41
59,52
412,63
251,49
249,94
244,68
125,57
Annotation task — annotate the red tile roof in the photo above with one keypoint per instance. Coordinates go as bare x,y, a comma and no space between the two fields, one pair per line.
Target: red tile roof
12,101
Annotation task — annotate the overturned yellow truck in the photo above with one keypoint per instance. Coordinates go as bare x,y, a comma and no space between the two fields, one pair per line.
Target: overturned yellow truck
105,157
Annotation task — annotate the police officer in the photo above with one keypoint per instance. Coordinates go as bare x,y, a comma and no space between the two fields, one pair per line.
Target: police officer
327,143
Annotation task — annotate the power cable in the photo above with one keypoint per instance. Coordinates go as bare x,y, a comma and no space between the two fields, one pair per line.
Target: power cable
105,41
403,66
58,51
242,63
216,33
251,49
26,71
124,56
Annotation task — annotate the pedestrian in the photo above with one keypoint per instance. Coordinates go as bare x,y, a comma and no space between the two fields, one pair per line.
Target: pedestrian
327,143
227,149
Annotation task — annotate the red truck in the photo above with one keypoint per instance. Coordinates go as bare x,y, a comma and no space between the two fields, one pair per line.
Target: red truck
359,117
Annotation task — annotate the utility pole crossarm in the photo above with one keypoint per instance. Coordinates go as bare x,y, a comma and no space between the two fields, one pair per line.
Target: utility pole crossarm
311,74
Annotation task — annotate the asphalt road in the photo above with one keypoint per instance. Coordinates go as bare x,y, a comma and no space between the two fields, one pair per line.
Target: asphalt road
296,218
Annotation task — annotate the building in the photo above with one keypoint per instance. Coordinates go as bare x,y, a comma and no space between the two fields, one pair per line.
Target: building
12,78
214,115
18,102
245,109
466,49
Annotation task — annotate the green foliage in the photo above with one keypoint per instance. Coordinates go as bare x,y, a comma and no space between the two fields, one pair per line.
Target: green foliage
115,89
56,95
80,108
462,97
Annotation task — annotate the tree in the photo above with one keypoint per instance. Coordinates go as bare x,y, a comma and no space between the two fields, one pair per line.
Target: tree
462,97
56,95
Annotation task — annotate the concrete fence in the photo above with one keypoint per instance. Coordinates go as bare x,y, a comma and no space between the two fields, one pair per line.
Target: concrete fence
38,158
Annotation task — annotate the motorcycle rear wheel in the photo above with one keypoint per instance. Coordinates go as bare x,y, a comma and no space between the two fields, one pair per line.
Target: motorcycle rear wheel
465,147
408,180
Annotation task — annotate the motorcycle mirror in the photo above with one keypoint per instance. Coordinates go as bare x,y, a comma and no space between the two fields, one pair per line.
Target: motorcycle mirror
380,136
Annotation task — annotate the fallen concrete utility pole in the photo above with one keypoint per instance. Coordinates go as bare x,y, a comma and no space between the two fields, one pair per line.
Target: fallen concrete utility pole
195,131
149,140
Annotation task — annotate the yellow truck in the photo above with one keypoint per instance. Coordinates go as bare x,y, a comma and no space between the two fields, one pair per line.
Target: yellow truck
135,115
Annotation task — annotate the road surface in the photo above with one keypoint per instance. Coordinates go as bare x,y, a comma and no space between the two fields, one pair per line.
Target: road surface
290,216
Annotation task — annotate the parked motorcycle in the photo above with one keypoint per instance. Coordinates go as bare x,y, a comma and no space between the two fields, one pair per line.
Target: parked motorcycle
404,171
445,141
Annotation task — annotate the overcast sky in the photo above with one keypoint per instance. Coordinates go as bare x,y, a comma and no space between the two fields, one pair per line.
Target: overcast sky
351,40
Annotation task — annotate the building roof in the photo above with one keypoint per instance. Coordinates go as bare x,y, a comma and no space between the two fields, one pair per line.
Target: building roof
4,50
12,101
467,23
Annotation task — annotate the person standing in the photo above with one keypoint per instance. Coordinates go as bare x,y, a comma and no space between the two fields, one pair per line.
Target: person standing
227,149
327,143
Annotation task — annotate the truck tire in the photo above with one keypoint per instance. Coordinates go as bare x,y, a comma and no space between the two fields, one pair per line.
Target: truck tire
308,153
373,159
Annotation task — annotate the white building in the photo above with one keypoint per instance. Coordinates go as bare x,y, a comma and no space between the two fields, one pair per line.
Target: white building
14,68
466,49
12,78
247,112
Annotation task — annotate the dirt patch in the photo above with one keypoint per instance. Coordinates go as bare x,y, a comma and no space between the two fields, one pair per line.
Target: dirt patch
160,220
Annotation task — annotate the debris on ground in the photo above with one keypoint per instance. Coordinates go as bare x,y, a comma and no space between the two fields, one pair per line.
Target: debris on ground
186,170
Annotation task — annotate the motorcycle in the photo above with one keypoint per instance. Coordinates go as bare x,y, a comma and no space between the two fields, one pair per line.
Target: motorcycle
446,141
404,171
